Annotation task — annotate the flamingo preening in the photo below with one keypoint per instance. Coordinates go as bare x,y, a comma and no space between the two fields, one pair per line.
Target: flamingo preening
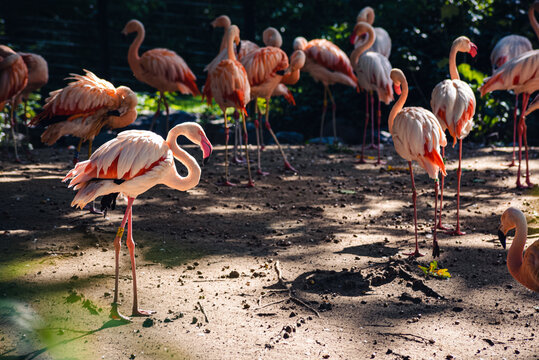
328,64
228,84
160,68
417,135
83,108
372,70
508,48
131,164
453,103
13,80
524,268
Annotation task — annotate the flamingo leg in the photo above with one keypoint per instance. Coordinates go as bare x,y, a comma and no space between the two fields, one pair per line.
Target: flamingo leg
90,143
362,158
158,110
324,112
440,226
238,159
287,165
258,118
333,110
12,107
379,162
167,111
521,130
131,247
26,120
114,312
77,151
245,140
435,247
416,253
372,145
226,182
514,131
525,135
459,174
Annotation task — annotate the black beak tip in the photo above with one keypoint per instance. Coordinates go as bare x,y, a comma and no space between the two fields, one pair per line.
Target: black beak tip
280,72
238,48
502,238
206,160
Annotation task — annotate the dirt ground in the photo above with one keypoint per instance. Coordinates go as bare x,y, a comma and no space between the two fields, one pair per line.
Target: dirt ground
207,260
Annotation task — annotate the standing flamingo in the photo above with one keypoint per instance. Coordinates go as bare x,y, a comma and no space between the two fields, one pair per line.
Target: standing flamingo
453,103
131,164
160,68
525,269
521,75
83,108
229,85
372,71
13,80
417,135
508,48
326,63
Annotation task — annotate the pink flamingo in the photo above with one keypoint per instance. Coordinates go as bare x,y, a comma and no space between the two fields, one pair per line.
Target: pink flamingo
228,83
13,80
524,269
326,63
382,45
83,108
508,48
534,105
266,69
372,70
521,75
453,103
417,135
131,164
160,68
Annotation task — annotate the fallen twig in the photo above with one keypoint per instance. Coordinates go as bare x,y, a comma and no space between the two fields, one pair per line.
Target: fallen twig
202,311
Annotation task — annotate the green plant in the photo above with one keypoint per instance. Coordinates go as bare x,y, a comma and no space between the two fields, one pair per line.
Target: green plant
432,270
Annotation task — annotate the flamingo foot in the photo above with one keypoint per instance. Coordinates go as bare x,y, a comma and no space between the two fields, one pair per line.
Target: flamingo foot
441,227
262,173
238,160
511,164
372,146
361,161
92,209
139,312
225,183
455,233
262,147
250,184
435,250
287,166
380,162
530,184
116,315
519,185
416,253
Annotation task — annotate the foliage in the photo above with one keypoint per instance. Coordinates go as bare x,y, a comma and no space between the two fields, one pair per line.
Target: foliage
432,270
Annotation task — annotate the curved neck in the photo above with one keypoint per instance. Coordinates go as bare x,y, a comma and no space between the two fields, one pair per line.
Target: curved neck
399,104
361,49
223,40
230,47
174,180
514,256
453,72
117,122
132,56
533,21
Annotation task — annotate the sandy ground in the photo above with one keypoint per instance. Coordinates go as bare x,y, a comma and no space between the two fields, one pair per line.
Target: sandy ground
206,262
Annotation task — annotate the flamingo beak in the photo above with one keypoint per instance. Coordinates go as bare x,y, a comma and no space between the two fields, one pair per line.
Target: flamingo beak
206,148
473,49
397,89
353,38
238,48
502,236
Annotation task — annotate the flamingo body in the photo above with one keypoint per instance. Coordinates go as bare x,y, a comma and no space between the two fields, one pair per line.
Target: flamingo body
262,66
520,74
507,48
13,74
372,71
382,43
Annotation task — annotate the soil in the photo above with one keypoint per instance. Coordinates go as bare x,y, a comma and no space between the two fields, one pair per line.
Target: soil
308,266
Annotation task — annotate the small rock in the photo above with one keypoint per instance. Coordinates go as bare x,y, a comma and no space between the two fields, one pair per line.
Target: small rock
233,274
457,309
148,322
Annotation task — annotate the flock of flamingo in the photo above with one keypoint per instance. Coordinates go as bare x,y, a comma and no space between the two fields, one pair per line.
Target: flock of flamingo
136,160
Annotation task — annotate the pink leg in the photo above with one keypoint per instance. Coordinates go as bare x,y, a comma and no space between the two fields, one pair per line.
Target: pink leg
131,247
324,112
440,226
227,130
362,158
287,165
372,145
521,125
525,132
114,312
514,131
158,110
246,141
459,173
238,158
435,247
416,253
167,111
379,162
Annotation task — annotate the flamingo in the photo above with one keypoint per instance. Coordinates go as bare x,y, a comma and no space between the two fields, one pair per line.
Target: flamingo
508,48
453,103
326,63
13,80
372,70
160,68
132,163
229,85
266,69
534,105
521,75
83,108
417,135
524,269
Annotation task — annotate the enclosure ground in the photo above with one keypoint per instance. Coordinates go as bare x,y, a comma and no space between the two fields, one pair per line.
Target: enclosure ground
206,262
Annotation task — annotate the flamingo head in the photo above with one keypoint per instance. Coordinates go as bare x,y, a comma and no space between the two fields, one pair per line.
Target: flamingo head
300,43
463,44
366,14
397,76
508,221
132,26
359,32
272,37
473,49
221,21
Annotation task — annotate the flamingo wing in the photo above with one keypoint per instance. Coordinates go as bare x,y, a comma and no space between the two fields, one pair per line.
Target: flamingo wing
329,55
38,71
166,64
507,48
14,77
520,74
283,90
263,64
230,84
247,47
373,71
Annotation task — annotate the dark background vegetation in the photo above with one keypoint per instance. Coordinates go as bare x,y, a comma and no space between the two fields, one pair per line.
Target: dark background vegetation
73,35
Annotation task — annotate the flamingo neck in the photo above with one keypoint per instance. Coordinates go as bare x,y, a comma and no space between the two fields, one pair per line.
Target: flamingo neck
398,105
223,40
230,48
533,21
453,72
117,122
133,57
514,256
174,180
361,49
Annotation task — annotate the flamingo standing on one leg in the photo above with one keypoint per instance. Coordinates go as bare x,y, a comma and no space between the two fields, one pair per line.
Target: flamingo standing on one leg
83,108
507,48
417,135
131,164
453,103
326,63
525,269
372,71
13,80
382,45
228,83
160,68
521,75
